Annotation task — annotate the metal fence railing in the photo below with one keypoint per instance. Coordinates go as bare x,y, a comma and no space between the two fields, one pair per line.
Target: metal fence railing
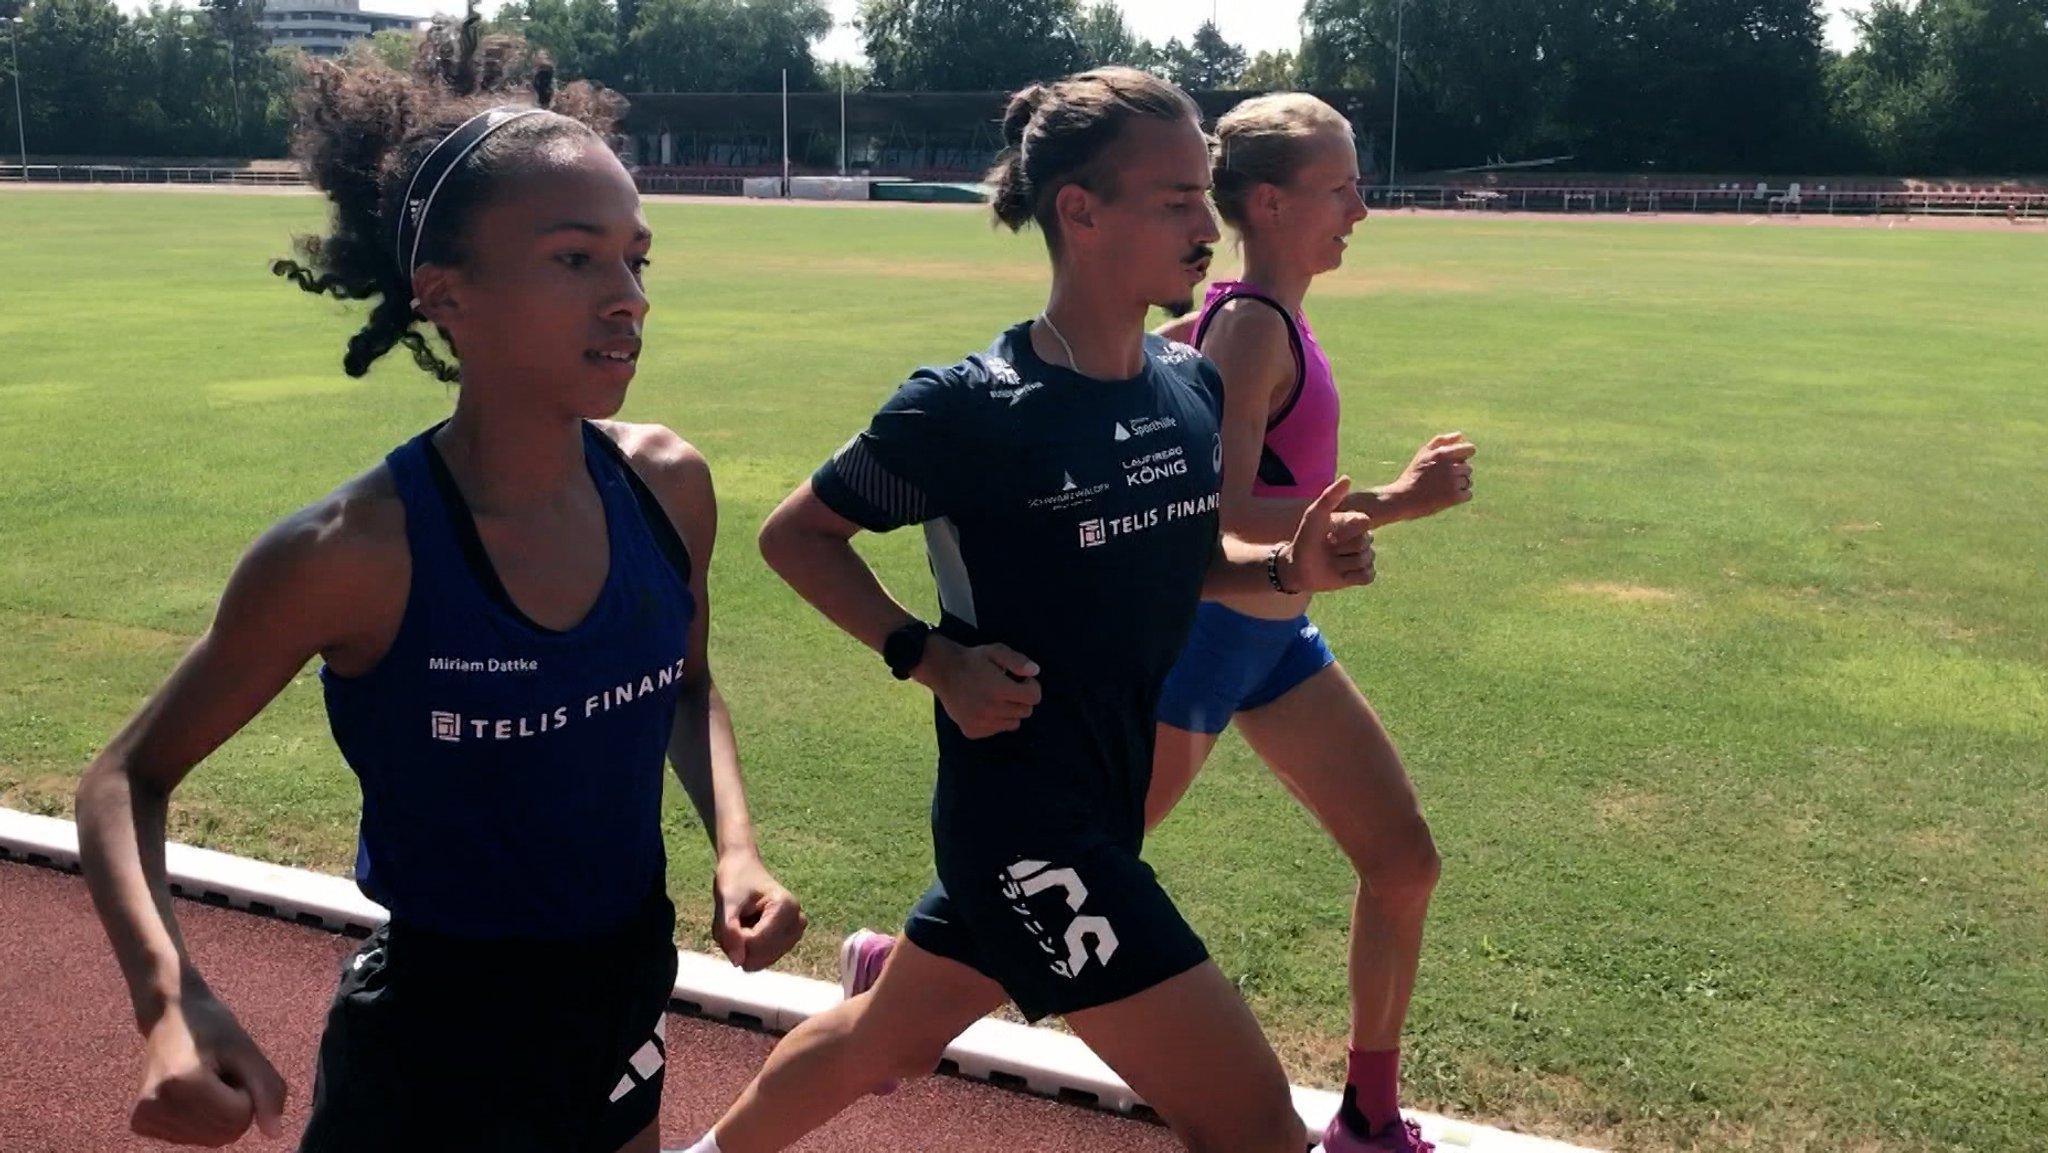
2017,205
674,184
685,184
127,174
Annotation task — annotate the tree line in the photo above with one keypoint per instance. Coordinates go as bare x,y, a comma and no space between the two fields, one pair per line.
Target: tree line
1932,87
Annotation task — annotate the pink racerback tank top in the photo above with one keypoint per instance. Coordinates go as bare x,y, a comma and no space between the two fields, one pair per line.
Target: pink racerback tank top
1300,455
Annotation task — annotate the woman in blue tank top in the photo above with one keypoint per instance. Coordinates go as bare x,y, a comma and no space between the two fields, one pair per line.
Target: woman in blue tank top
510,611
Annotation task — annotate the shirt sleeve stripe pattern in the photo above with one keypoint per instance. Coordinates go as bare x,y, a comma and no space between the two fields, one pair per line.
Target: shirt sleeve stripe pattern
868,479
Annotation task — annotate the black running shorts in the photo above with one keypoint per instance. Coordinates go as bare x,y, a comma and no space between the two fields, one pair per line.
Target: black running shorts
435,1044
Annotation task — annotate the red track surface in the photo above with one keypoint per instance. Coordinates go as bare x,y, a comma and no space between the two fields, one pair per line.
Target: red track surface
70,1057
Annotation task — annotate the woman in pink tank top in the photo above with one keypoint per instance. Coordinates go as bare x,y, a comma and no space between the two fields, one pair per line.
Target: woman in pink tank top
1287,182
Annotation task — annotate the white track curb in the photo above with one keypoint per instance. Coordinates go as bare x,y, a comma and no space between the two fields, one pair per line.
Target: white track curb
1039,1060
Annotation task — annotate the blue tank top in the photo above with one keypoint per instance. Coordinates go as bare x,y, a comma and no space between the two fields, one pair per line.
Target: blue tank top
511,774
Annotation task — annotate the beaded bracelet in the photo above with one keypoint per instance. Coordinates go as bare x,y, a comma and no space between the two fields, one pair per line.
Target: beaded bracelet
1273,570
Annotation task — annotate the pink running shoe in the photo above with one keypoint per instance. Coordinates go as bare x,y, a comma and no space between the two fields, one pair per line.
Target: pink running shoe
1403,1138
861,957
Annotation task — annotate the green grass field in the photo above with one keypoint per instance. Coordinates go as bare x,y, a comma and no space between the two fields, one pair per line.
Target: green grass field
1728,699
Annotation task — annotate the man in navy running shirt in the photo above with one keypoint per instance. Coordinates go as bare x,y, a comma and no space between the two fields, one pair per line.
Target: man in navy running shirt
1067,480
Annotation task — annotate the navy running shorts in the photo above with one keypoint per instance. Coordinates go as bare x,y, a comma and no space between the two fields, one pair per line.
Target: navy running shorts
1062,921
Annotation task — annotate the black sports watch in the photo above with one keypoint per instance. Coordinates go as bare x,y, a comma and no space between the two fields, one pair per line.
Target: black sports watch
904,649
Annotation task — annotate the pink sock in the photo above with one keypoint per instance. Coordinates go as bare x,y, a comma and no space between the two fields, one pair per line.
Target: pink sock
1375,1083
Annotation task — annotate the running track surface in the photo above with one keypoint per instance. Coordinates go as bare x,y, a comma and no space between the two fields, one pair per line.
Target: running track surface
70,1058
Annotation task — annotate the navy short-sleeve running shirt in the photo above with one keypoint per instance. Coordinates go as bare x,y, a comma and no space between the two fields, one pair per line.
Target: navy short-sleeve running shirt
1070,519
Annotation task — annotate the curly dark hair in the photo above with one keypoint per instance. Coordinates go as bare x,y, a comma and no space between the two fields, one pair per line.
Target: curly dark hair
363,129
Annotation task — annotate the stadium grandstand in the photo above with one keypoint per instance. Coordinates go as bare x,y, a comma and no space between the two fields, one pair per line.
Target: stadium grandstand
713,142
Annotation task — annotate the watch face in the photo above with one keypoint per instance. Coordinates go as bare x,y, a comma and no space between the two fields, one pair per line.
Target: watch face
904,648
